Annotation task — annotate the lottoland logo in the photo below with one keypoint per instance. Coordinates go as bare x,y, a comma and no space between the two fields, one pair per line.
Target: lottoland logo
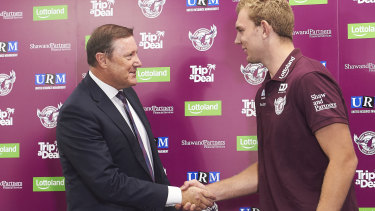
56,12
361,30
202,108
366,209
154,74
247,143
307,2
10,150
42,184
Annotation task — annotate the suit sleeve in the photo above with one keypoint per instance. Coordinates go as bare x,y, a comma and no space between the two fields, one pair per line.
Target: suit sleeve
81,142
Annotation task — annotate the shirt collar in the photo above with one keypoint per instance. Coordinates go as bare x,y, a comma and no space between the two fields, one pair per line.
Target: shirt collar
288,65
110,91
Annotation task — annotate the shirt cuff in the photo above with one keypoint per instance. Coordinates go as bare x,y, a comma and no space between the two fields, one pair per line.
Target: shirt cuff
174,196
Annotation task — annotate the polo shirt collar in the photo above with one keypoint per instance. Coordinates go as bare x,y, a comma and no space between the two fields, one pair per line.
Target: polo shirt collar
288,65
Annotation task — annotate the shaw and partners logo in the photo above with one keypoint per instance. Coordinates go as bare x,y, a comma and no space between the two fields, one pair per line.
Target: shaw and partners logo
43,184
48,116
248,108
52,46
152,41
8,49
11,185
319,104
365,179
254,74
163,144
207,144
202,39
204,177
247,143
307,2
202,5
314,33
151,8
202,74
153,74
361,30
159,109
5,117
366,142
11,15
202,108
47,81
55,12
10,150
364,1
370,66
362,104
102,8
6,82
48,150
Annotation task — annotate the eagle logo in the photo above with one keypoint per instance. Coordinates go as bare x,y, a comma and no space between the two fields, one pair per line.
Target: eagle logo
48,116
203,39
6,82
151,8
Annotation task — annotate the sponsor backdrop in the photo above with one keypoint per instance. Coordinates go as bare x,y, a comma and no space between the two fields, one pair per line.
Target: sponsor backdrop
195,85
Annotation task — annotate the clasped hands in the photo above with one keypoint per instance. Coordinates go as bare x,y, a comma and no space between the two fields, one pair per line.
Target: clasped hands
195,196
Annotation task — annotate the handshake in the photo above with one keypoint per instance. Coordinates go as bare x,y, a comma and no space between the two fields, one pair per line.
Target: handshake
195,196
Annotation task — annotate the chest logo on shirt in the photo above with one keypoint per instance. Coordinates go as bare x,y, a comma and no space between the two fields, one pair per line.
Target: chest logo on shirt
285,71
279,105
283,88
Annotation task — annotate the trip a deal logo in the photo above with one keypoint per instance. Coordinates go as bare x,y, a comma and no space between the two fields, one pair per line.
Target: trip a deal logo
307,2
55,12
361,30
202,108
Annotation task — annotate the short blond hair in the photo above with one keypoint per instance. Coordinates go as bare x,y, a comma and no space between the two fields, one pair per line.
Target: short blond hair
277,13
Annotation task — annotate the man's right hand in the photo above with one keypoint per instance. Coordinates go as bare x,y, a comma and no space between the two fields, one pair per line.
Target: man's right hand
195,196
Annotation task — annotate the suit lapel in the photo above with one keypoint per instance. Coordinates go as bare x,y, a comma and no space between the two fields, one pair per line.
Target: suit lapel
106,105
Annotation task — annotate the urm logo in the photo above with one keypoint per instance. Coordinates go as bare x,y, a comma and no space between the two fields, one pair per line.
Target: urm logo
249,209
163,142
204,3
9,47
50,79
204,177
362,102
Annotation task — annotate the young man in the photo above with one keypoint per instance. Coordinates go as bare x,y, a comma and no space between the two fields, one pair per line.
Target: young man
306,157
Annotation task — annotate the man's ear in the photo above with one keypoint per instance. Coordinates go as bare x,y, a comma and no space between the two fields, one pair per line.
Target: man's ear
101,59
266,29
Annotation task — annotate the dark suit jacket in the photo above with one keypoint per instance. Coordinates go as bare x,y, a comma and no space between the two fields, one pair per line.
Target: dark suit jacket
102,161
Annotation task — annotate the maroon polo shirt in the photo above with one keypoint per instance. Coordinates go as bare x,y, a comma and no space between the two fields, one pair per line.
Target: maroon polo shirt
299,100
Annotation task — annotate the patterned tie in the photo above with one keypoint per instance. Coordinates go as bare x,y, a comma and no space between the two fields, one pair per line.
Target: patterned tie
121,95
